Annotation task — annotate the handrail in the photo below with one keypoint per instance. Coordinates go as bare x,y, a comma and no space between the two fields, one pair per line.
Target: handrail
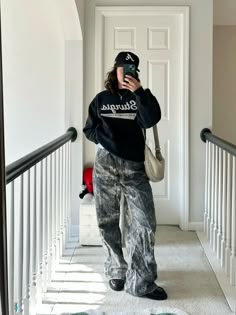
18,167
229,147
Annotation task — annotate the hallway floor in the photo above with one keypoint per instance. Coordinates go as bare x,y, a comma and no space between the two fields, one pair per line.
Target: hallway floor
184,272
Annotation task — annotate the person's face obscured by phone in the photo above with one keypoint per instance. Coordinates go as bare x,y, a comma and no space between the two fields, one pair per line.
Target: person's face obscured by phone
120,72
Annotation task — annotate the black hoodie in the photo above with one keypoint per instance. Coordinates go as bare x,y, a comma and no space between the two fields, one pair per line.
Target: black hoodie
116,121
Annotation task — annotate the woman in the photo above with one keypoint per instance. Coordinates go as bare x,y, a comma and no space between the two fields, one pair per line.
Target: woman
115,121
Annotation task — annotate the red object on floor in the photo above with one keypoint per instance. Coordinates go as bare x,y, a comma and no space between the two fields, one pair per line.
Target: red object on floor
88,179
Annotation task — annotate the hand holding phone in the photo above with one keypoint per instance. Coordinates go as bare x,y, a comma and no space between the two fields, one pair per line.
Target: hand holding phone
131,83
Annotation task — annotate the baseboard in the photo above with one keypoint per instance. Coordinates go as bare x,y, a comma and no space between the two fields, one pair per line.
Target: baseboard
228,290
196,226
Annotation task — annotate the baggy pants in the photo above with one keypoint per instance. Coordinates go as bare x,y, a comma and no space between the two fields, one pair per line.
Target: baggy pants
111,177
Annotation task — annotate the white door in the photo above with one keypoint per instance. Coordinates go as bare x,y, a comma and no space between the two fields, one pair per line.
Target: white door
159,36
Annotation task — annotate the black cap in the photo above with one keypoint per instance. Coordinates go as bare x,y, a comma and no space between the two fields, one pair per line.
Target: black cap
127,57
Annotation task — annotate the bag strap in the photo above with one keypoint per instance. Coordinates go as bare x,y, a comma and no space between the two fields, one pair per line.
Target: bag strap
156,138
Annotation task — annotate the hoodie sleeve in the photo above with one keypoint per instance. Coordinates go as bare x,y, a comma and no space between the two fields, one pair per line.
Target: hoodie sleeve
149,112
92,122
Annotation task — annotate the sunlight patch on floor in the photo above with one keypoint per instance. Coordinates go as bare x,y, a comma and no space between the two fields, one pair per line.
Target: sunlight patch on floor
76,285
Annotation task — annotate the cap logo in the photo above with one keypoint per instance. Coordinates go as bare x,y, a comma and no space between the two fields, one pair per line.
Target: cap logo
128,57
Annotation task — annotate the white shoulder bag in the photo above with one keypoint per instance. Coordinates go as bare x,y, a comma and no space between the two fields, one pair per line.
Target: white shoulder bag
154,164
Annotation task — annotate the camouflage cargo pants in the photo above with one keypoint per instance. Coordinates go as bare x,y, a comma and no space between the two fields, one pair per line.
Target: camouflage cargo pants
111,177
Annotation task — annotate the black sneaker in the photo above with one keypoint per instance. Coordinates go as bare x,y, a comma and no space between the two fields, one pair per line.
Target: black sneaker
158,294
116,284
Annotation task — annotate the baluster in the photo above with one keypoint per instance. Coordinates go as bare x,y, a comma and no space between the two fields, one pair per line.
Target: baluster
26,247
212,193
39,221
10,244
67,193
61,201
228,216
18,248
64,197
53,193
209,201
233,234
55,207
215,200
69,190
206,190
223,240
50,211
219,221
45,227
33,244
58,207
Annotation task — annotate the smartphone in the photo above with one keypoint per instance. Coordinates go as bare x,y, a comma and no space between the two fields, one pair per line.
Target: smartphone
129,69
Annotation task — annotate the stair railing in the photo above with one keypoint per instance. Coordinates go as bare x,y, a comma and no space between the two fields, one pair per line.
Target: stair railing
220,201
38,220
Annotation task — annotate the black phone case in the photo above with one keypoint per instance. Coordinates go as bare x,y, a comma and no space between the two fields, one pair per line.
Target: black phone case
129,69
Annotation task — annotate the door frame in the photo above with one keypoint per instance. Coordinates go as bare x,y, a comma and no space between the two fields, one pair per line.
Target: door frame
183,12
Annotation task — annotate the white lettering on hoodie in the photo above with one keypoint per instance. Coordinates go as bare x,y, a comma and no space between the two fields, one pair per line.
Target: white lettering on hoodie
123,111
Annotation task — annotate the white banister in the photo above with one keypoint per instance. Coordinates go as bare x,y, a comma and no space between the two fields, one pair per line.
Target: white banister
38,203
220,212
38,212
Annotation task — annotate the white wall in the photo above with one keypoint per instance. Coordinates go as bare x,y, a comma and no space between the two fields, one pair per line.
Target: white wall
224,70
43,79
74,114
80,7
200,102
33,75
224,92
72,18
